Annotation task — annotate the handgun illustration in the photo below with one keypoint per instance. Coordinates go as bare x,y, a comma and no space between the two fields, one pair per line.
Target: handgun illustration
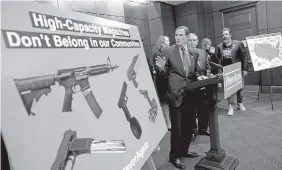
131,72
134,124
34,87
154,107
71,146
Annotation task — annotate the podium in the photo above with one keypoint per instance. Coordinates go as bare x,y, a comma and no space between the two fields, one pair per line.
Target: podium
215,158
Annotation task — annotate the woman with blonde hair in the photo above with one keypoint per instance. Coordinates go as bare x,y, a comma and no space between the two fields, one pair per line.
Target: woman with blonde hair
206,45
159,80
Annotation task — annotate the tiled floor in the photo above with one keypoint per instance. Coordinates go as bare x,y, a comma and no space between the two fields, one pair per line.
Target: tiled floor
254,136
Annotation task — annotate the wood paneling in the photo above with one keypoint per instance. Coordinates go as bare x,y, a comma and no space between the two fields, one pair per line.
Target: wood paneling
156,29
112,17
261,15
202,26
210,26
208,7
108,7
220,5
200,7
179,10
192,23
218,25
190,7
139,1
169,28
153,48
143,26
148,52
167,11
181,21
154,10
274,13
134,10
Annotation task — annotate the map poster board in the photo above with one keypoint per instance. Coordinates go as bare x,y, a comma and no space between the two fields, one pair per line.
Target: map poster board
232,78
113,121
265,50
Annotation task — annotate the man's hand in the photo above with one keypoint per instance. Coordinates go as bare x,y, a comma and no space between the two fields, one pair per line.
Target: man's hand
212,50
245,73
160,62
202,77
219,77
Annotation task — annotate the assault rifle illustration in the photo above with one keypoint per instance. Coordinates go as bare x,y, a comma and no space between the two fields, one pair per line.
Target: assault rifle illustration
154,107
34,87
71,146
131,72
134,124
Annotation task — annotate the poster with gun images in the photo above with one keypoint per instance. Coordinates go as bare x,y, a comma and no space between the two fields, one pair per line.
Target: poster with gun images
75,87
265,50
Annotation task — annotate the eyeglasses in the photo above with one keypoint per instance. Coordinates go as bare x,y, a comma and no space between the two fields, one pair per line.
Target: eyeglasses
192,40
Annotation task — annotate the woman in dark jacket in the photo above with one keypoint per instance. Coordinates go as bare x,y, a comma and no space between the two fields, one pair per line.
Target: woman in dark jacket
159,80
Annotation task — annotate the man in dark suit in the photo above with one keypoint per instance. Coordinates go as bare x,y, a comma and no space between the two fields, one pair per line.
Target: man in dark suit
202,110
180,69
229,52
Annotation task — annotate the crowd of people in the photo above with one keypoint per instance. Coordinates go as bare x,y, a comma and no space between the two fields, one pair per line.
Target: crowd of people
172,67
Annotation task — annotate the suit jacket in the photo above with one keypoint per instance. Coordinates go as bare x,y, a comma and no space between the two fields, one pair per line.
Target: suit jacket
238,53
202,64
175,73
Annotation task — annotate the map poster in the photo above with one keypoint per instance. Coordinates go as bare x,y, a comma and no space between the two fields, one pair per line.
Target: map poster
265,50
232,78
77,92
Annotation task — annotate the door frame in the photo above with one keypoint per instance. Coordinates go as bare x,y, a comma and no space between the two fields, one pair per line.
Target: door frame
240,7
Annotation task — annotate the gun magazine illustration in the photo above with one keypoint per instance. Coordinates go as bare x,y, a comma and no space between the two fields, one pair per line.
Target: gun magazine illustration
132,71
71,146
153,103
134,124
34,87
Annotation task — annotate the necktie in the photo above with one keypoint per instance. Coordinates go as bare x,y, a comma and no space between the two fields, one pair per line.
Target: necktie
186,61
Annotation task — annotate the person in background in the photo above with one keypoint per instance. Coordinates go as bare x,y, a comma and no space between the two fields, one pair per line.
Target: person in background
229,52
180,69
160,80
202,111
206,45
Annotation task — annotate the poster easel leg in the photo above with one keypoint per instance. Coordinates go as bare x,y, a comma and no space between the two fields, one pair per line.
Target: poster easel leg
270,89
260,85
151,164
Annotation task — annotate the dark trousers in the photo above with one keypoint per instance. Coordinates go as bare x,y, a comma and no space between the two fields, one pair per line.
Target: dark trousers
205,103
181,127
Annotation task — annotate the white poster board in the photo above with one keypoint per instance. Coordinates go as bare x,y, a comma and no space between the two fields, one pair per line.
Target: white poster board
265,50
232,78
55,52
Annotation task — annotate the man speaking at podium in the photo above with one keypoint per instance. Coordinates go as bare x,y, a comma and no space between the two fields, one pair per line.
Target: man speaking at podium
180,68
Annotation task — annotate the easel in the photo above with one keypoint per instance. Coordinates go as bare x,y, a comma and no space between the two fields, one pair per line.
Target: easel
269,73
150,161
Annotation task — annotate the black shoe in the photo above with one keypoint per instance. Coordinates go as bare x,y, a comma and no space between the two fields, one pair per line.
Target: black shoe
193,137
204,132
195,131
191,155
177,163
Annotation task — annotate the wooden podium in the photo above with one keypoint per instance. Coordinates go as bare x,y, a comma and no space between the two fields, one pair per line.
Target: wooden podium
215,158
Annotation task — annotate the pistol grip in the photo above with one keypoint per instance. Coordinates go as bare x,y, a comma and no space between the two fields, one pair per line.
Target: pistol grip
126,112
92,102
67,100
135,82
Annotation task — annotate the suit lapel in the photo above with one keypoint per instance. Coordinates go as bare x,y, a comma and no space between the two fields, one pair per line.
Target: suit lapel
178,59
